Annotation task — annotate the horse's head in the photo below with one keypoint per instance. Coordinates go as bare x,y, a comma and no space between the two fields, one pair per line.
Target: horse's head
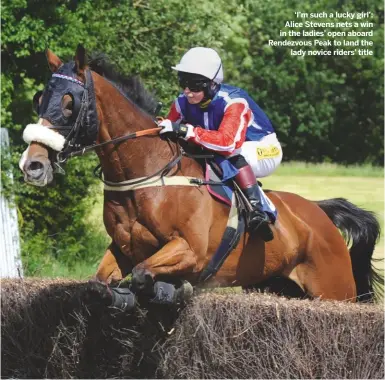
67,119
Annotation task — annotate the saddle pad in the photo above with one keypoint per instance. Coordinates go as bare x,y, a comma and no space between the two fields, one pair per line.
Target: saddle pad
224,193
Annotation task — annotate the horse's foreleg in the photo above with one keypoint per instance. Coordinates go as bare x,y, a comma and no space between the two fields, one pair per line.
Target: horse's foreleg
176,258
114,266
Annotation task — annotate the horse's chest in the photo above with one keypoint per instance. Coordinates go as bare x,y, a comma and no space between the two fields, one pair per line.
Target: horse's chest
133,239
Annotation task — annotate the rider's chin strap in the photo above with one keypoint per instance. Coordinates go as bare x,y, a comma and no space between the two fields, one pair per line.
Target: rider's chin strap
205,103
209,94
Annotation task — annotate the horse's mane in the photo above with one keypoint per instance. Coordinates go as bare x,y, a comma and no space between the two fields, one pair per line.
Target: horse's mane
131,86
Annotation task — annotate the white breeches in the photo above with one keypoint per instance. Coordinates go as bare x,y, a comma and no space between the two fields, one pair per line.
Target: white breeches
264,156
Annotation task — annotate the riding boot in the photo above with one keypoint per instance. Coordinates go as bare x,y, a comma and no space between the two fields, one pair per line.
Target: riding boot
258,220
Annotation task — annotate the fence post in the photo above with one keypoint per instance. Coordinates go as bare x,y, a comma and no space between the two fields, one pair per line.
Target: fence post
10,258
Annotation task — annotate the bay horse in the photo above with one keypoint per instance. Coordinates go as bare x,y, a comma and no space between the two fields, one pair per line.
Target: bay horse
166,232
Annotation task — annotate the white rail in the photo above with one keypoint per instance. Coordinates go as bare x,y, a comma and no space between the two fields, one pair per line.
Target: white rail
10,258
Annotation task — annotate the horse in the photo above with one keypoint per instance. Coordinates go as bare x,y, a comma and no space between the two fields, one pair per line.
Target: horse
172,231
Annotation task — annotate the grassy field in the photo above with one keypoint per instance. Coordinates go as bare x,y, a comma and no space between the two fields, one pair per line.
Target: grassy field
328,170
362,185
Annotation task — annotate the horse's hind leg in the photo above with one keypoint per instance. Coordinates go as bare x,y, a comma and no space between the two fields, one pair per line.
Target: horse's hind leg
326,271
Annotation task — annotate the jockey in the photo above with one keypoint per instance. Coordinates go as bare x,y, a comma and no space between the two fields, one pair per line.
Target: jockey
224,119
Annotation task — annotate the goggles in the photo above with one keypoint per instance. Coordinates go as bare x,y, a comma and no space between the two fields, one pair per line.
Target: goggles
194,85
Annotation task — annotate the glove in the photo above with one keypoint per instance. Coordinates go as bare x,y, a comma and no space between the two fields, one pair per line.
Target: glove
180,130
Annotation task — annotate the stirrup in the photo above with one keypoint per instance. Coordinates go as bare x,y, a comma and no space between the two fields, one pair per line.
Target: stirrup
262,228
265,232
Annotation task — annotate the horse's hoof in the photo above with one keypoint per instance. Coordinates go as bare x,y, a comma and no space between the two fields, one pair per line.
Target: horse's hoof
185,291
123,298
142,281
167,294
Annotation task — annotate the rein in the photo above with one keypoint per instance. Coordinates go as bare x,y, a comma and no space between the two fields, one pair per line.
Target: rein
162,172
116,140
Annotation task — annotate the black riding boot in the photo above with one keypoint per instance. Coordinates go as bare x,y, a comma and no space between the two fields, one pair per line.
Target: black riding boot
258,219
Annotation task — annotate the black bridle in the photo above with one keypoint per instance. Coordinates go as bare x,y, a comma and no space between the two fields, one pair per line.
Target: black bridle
86,115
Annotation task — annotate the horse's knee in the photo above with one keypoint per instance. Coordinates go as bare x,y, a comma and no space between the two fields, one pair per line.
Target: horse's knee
113,267
108,276
108,270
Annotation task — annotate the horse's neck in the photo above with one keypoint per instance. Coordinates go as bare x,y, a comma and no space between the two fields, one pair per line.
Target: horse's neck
131,159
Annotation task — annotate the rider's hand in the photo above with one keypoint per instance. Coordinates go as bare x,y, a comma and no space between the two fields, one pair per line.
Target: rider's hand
167,126
180,130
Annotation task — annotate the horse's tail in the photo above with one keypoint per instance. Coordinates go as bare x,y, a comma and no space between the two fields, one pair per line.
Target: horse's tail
360,228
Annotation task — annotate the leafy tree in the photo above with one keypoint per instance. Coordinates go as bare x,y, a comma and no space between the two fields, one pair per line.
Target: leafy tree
140,38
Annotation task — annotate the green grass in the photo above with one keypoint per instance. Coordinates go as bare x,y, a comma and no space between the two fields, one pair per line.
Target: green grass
329,170
74,264
81,271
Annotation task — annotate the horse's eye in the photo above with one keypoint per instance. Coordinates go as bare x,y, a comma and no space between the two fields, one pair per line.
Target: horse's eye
67,105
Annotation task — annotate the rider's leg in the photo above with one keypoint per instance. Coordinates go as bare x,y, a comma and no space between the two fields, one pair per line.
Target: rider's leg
246,180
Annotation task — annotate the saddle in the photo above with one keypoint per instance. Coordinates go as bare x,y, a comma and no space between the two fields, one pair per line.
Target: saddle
224,191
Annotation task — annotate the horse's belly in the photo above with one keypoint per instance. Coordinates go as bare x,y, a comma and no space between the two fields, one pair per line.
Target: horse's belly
254,261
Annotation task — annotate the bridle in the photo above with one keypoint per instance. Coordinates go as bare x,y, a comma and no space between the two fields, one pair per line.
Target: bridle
87,116
73,148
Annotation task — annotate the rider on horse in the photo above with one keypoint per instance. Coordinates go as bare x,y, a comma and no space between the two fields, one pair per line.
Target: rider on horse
224,119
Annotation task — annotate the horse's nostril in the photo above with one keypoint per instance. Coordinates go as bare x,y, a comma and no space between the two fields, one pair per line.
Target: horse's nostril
36,165
35,170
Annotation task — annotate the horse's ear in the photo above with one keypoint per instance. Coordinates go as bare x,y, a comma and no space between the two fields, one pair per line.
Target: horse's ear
80,59
54,62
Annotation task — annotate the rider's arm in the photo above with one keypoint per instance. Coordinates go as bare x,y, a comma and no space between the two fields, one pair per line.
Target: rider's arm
231,133
174,114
